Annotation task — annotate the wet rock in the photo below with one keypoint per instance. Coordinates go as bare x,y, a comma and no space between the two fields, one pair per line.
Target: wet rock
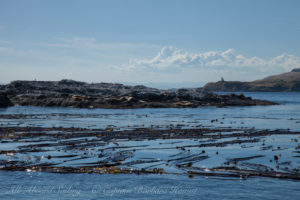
5,101
69,93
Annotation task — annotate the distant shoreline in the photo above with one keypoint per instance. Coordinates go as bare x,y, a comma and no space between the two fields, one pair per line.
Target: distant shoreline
286,82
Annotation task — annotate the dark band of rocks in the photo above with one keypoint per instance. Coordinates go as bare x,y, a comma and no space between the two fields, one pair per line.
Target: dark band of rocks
69,93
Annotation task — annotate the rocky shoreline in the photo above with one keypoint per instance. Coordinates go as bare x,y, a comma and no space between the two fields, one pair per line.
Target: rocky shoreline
69,93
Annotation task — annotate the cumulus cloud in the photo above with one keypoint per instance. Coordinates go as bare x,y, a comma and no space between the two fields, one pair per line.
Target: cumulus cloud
89,60
170,58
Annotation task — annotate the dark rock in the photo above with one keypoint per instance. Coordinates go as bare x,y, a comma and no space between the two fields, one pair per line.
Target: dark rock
69,93
4,101
296,70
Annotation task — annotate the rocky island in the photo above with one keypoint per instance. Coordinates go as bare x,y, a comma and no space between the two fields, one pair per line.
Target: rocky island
286,82
70,93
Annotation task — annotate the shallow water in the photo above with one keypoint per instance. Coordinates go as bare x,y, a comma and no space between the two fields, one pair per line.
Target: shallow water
283,116
82,186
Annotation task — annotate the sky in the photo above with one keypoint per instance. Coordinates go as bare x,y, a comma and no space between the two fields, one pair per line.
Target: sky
139,41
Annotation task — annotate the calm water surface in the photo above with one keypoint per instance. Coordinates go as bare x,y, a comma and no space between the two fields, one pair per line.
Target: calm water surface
29,185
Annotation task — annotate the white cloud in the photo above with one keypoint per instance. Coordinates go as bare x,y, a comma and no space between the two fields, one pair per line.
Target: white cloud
4,42
95,61
93,44
171,58
6,50
285,61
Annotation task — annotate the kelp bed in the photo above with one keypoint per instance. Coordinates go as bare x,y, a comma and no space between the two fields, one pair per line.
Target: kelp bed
224,152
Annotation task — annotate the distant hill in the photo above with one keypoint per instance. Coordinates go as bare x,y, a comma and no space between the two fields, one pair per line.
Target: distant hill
286,82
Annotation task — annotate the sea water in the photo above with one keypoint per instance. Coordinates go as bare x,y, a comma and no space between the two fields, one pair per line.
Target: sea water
36,185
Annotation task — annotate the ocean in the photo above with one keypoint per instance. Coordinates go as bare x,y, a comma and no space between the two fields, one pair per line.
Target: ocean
43,185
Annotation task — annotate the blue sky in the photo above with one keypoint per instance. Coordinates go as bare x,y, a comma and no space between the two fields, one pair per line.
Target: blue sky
148,41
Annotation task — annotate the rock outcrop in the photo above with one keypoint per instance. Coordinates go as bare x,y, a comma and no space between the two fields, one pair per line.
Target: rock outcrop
69,93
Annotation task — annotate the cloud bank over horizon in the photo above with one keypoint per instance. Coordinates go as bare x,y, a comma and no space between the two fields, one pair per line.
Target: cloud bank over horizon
171,58
86,59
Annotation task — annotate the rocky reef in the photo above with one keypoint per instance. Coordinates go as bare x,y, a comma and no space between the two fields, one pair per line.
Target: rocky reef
70,93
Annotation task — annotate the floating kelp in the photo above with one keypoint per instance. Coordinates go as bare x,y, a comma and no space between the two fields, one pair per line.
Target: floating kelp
197,151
